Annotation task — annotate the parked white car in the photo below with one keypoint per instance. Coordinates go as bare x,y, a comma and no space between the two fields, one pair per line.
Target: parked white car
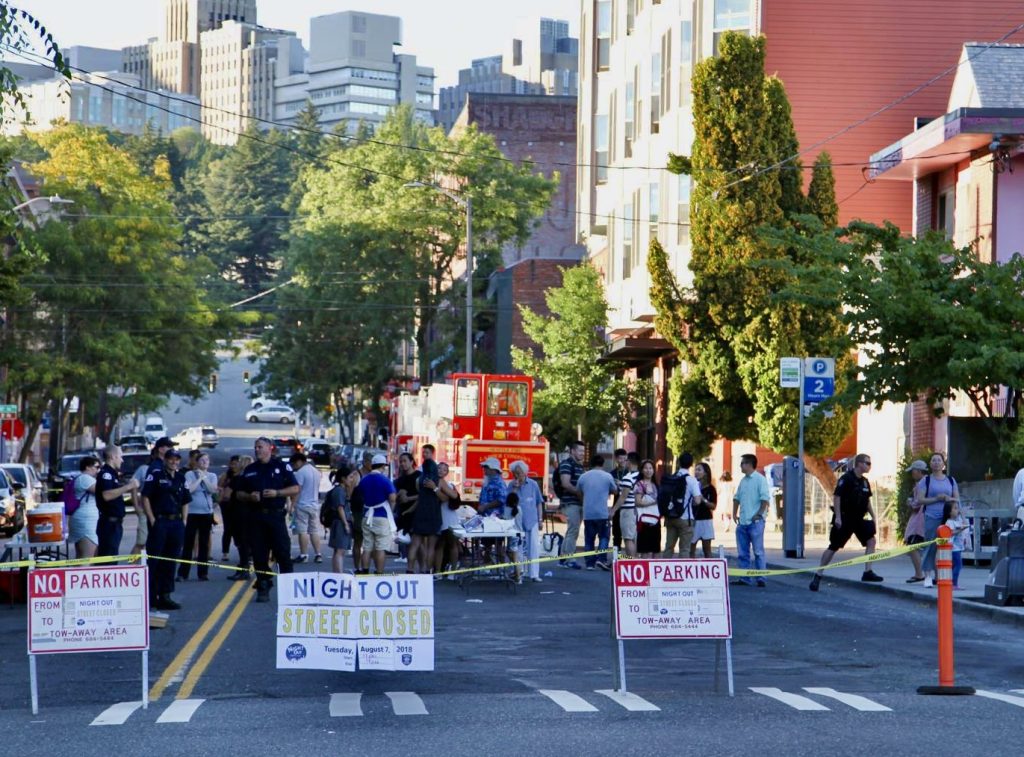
33,490
258,403
272,414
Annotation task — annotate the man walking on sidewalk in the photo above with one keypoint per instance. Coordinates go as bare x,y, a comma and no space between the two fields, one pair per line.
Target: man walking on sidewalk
850,504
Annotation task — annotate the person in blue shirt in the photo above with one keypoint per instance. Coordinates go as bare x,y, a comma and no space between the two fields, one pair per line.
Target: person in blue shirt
379,497
493,496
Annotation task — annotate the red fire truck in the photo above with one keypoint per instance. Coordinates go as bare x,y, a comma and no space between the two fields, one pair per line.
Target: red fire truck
472,418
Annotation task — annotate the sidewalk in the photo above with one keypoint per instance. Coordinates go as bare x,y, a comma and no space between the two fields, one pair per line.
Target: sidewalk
895,571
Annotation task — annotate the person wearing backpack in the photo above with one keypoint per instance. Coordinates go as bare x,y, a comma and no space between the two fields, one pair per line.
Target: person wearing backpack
680,512
336,514
933,492
749,504
80,506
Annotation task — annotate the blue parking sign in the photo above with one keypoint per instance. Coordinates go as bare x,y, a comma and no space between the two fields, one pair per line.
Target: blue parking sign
819,379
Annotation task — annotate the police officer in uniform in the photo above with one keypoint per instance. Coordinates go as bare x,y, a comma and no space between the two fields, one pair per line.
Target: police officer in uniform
165,499
110,500
265,487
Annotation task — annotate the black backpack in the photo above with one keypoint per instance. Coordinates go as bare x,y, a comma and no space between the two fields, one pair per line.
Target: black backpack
329,509
672,496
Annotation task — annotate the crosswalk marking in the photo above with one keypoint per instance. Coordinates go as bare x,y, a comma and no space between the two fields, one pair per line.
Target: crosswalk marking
855,701
795,701
568,701
116,714
180,711
631,702
346,705
406,703
1018,701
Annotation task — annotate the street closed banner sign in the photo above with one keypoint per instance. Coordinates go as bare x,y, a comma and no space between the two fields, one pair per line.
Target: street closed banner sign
337,621
88,609
672,599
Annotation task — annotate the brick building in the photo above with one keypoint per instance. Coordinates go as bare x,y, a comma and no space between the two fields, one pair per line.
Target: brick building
542,129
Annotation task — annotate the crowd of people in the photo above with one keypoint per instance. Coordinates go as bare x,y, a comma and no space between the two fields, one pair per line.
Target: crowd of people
622,505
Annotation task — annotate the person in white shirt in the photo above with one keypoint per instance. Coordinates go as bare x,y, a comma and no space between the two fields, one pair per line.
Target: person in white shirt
307,508
201,483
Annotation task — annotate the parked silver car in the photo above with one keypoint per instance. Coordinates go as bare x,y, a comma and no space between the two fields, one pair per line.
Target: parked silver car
12,507
272,414
33,490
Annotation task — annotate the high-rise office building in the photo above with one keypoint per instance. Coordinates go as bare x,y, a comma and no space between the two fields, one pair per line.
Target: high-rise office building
352,73
540,59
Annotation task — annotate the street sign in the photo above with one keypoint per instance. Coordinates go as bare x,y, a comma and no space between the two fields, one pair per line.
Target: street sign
672,599
12,429
8,412
789,372
819,379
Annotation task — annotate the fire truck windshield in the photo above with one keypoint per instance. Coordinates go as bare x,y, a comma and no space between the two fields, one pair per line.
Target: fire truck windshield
507,398
467,397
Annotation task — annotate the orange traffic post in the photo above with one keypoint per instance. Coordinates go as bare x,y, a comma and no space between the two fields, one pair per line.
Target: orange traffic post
944,581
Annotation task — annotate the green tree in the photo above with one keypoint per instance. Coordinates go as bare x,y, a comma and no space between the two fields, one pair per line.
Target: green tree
931,320
580,395
366,184
245,193
730,329
108,310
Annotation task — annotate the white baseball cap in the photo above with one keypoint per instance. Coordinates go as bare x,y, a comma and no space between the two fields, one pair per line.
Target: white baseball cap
379,460
492,463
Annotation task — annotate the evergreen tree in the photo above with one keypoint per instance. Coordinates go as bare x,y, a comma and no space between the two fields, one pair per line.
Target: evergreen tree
731,328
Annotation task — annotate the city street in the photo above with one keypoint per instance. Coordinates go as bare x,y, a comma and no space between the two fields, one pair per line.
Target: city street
533,672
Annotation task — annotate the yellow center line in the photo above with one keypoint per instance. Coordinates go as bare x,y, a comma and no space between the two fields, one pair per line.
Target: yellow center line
213,647
193,643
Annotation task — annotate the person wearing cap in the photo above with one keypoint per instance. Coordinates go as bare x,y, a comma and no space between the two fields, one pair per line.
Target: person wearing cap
165,498
143,509
264,488
914,532
851,503
493,497
531,512
379,496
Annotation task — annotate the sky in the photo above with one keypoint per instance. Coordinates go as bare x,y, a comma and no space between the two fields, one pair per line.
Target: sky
444,34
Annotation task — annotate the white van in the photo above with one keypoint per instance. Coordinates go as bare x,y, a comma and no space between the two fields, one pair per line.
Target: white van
154,429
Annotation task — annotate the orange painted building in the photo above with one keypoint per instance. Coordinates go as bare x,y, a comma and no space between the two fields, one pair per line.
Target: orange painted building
842,61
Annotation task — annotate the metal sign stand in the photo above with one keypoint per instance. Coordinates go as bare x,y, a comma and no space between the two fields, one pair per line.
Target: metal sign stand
33,682
620,649
145,652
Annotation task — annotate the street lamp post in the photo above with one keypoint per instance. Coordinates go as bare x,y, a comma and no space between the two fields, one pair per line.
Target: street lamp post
467,203
53,200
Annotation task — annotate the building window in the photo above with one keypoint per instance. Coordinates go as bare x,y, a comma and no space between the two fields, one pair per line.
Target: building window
359,24
630,16
634,223
666,72
653,211
603,34
425,81
95,107
601,147
359,48
630,111
424,98
627,240
655,92
730,15
685,60
683,209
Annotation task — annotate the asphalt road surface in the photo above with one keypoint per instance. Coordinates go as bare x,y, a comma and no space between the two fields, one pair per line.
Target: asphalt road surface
532,673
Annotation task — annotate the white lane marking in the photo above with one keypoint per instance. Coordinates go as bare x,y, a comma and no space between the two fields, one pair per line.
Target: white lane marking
1017,691
795,701
568,701
631,702
180,711
116,714
406,703
346,705
1018,701
855,701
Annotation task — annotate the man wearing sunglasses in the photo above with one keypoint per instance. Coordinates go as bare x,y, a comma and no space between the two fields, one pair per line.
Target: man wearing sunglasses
851,504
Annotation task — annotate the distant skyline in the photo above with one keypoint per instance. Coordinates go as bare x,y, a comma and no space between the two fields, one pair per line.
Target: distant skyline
444,34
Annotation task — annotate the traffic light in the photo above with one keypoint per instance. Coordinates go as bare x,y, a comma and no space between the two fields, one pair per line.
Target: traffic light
245,376
213,383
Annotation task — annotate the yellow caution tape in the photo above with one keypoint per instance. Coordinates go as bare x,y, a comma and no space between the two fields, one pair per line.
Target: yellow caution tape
873,557
499,566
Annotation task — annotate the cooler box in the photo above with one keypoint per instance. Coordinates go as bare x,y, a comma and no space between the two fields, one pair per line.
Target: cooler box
46,523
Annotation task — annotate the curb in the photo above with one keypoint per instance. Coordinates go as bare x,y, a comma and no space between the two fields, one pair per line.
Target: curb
966,606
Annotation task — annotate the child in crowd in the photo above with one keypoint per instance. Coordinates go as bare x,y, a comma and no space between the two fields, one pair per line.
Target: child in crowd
961,529
515,543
